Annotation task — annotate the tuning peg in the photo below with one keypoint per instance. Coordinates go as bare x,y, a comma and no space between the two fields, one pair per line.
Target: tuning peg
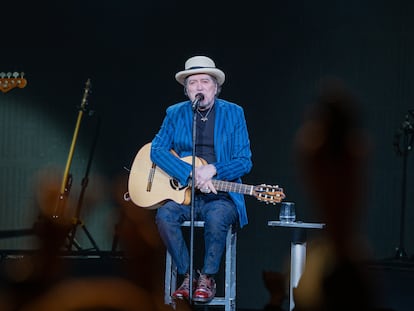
15,74
22,75
9,74
2,75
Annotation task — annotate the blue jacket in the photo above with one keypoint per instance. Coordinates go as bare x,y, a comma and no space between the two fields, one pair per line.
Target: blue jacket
231,144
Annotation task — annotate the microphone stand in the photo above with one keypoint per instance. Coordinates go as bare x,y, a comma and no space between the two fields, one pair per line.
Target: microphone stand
194,130
408,133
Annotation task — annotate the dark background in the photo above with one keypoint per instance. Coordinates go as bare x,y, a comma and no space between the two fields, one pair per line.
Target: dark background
273,53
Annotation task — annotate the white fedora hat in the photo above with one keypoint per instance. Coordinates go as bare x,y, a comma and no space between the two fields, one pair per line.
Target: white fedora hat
200,64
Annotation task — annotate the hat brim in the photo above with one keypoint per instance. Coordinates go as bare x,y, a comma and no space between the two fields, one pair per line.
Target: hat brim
217,73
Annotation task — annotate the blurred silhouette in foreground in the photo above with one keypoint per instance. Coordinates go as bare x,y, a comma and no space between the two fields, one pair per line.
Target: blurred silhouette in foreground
276,284
333,151
41,281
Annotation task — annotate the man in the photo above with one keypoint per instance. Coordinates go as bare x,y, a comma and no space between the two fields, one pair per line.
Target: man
222,140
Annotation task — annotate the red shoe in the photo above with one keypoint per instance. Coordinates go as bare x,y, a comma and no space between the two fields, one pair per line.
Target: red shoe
206,289
183,292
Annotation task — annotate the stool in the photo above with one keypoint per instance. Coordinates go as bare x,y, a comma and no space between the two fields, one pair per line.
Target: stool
229,299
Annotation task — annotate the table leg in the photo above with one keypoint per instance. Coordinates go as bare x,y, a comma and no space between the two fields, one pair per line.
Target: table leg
297,266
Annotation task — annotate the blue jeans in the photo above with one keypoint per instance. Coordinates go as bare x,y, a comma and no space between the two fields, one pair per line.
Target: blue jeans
218,213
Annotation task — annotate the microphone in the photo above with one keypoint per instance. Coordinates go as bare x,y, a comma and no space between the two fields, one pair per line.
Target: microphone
199,97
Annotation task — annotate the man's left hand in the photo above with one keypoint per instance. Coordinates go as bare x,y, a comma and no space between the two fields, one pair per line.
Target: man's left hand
203,176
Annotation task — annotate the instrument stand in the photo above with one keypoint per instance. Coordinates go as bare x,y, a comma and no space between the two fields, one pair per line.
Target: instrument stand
407,132
115,239
77,221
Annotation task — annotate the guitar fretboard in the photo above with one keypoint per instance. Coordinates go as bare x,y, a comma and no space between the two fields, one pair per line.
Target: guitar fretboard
229,186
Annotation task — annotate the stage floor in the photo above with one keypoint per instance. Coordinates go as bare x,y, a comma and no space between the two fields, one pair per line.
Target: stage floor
395,277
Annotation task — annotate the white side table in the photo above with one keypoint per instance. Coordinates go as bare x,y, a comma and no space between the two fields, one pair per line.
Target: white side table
297,250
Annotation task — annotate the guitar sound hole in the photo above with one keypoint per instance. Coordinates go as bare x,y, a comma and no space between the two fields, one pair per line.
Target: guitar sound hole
176,185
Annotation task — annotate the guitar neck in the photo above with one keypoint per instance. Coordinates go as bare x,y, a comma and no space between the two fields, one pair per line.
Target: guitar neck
228,186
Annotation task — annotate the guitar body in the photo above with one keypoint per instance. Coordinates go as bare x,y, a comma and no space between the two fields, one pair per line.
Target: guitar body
149,186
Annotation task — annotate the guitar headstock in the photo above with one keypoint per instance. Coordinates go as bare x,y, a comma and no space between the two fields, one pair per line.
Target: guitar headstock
269,194
86,92
9,81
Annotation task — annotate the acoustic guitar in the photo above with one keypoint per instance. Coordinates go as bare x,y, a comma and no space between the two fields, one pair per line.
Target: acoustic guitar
150,187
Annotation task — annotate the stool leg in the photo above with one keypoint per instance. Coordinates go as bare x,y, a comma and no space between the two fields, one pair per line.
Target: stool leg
233,272
170,280
297,265
230,271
